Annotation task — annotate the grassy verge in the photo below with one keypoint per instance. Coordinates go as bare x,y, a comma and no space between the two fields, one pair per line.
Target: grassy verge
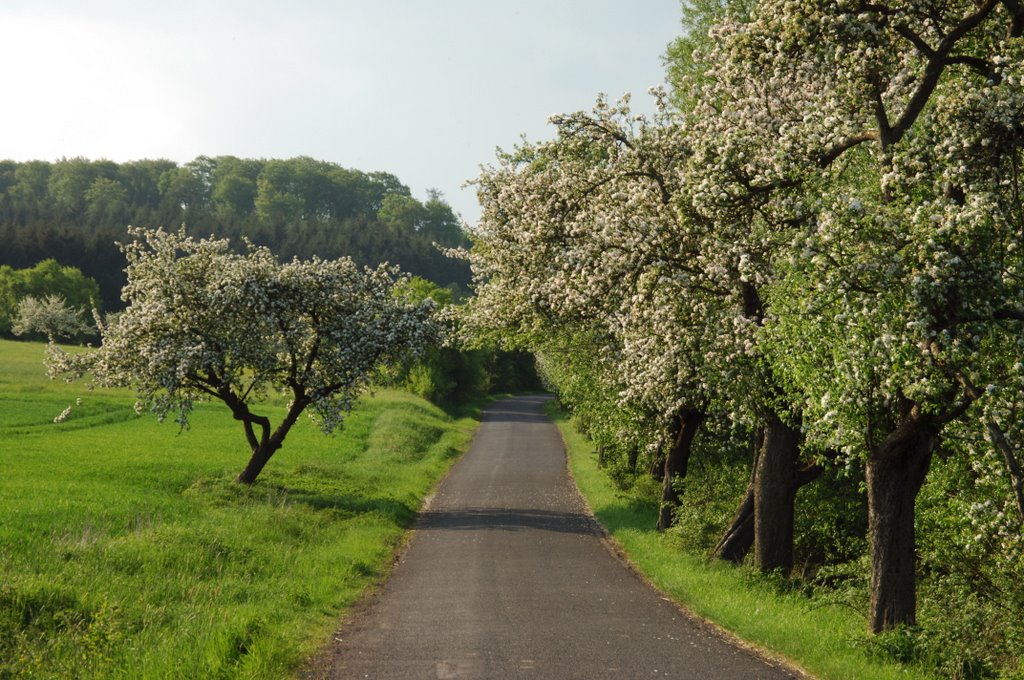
826,641
127,551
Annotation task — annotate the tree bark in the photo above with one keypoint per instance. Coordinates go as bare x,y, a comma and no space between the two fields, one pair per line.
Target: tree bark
657,470
739,537
676,463
269,444
1012,464
260,456
775,485
896,469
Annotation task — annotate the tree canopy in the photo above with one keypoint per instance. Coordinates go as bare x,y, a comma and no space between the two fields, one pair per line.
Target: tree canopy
206,322
813,246
74,211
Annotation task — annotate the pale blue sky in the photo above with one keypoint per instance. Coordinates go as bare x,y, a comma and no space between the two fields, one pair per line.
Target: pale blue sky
425,90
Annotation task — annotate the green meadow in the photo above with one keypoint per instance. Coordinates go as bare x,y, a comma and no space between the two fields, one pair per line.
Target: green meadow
126,549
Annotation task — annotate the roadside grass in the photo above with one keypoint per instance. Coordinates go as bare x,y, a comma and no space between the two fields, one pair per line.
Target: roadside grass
827,641
127,551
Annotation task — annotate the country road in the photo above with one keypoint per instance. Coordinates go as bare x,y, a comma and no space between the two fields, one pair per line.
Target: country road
507,576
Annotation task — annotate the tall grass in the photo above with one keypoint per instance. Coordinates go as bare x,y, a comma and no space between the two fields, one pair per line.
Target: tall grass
126,550
826,640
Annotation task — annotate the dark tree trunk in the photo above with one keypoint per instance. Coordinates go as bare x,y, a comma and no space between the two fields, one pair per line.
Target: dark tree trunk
676,463
632,456
896,469
739,537
268,444
260,456
775,485
658,466
601,456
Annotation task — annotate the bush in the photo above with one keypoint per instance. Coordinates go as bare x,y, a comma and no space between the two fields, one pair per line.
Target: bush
450,376
48,278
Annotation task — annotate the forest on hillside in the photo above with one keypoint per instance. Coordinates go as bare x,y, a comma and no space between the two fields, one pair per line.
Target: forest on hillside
75,210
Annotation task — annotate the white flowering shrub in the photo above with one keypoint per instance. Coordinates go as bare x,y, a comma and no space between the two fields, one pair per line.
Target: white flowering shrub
51,316
205,322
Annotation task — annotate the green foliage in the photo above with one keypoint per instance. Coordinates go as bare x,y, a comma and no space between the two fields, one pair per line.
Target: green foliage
130,553
683,62
454,375
47,278
74,210
511,371
712,490
831,521
971,593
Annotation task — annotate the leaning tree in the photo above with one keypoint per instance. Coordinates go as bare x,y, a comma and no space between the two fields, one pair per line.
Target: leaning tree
206,322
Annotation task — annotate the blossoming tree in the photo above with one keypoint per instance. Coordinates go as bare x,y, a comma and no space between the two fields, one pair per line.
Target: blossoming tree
895,291
602,226
822,245
575,237
205,322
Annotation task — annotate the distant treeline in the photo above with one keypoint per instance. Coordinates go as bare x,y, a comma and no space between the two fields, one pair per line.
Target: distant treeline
75,209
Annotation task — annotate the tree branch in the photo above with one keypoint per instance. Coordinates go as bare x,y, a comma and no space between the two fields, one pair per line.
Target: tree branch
826,159
981,66
1016,11
937,61
916,40
1002,445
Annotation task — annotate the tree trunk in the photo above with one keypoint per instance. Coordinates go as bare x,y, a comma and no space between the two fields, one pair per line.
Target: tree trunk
1012,464
657,470
896,469
268,443
260,455
632,457
676,463
600,456
775,485
739,537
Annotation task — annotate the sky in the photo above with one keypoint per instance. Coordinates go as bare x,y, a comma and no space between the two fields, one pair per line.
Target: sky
426,90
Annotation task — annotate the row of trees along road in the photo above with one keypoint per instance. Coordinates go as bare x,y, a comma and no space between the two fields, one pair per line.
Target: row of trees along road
75,210
812,246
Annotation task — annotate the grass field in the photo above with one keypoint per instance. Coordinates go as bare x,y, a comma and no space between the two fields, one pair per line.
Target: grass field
827,641
126,550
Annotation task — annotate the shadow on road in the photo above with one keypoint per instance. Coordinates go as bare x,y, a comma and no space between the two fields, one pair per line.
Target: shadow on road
510,519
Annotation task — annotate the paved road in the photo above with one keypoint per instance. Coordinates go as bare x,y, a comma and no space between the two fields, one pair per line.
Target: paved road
507,577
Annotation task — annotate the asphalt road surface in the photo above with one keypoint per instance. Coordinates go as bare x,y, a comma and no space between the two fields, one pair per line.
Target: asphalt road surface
507,576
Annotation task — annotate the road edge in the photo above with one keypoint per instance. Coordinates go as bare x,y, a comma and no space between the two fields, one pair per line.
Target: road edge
610,544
